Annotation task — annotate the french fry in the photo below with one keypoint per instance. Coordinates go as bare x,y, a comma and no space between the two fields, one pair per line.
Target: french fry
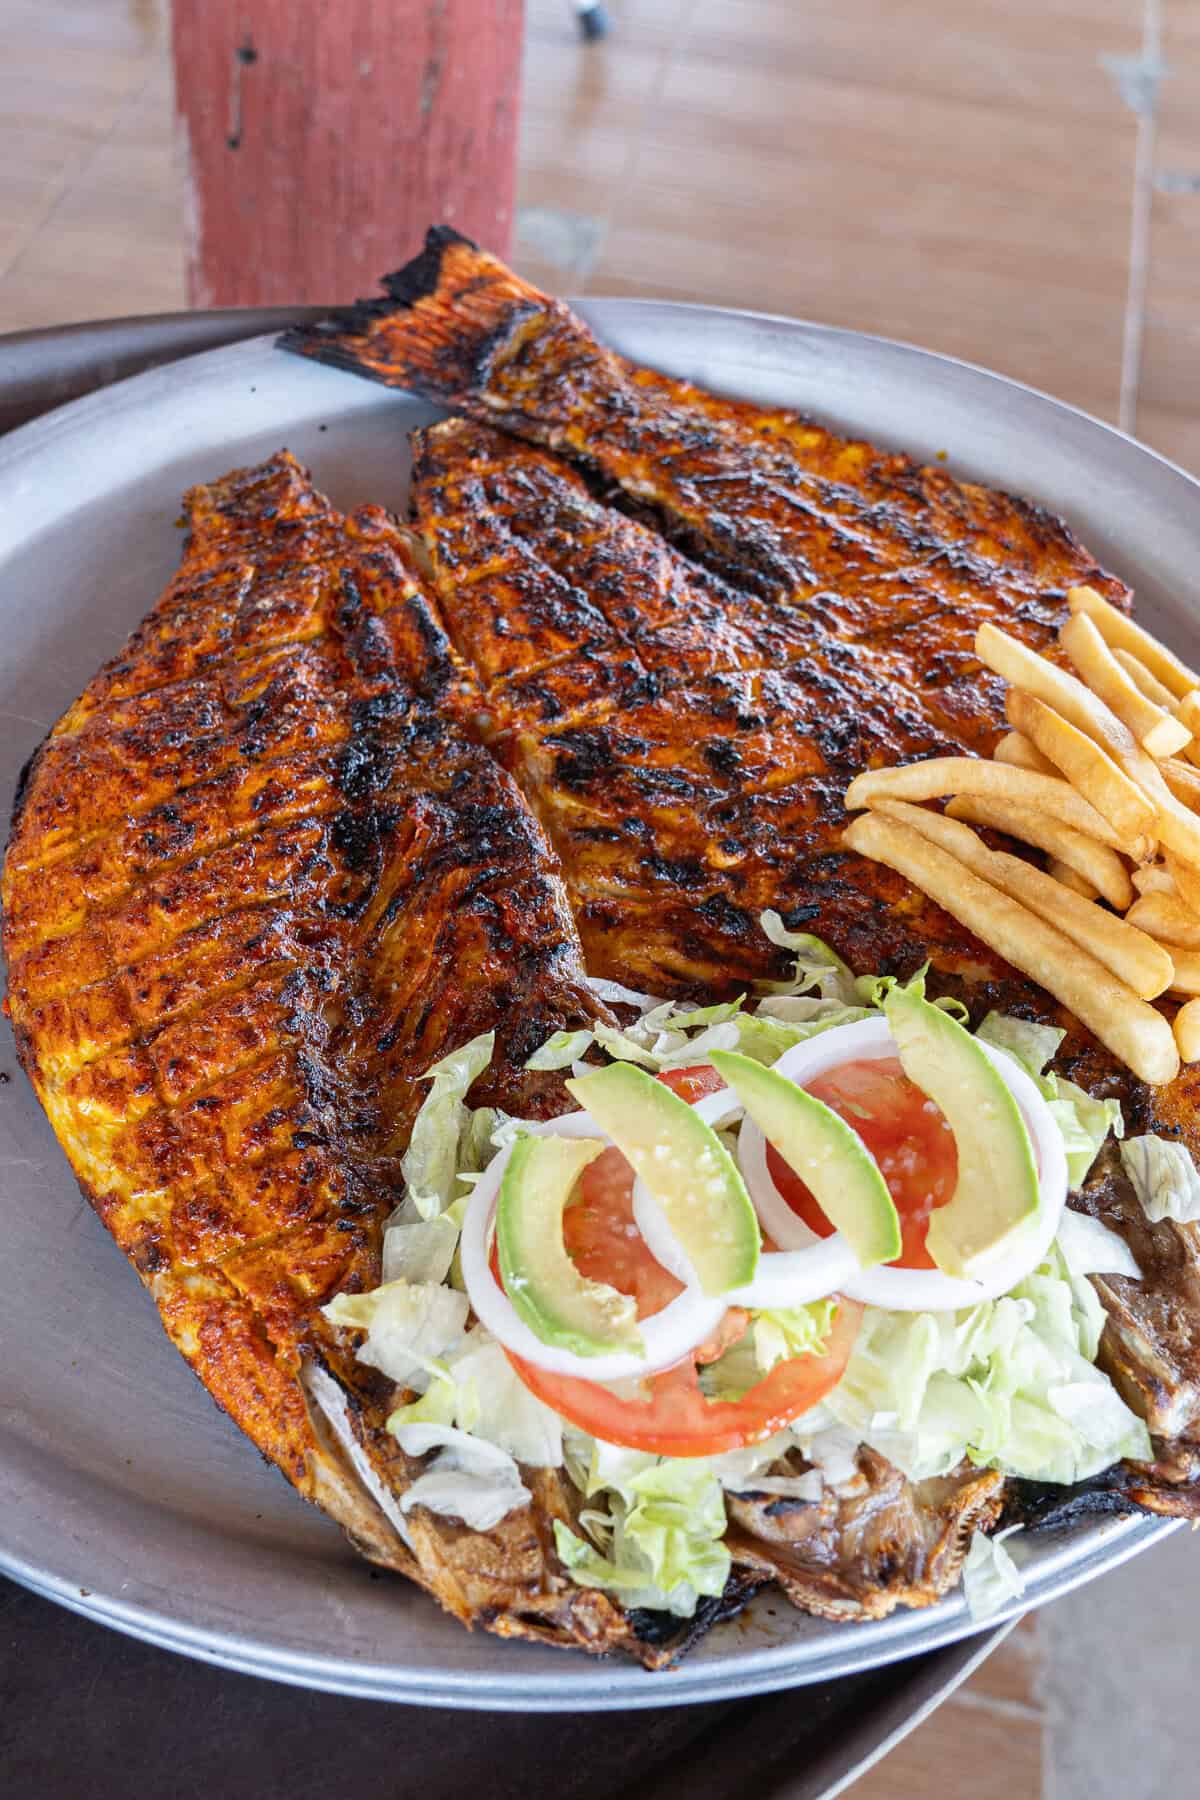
1019,753
1166,918
1131,955
1088,767
1136,1034
1098,864
1077,883
1187,1031
1187,881
1022,667
941,775
1183,781
1187,971
1121,633
1187,712
1159,731
1154,880
1176,825
1144,681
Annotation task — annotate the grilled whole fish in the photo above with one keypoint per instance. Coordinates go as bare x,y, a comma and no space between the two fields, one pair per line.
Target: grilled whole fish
257,883
258,880
684,721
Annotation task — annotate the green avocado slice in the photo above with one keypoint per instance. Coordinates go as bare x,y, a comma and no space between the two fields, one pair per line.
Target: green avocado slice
826,1153
997,1186
546,1289
684,1165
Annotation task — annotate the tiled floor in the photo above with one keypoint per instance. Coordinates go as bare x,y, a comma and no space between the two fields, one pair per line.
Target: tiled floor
1018,185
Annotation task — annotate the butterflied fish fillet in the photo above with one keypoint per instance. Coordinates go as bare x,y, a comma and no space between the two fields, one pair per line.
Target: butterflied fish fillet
685,724
257,883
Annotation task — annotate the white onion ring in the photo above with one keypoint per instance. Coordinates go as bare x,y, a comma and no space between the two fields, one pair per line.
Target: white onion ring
913,1290
667,1335
783,1278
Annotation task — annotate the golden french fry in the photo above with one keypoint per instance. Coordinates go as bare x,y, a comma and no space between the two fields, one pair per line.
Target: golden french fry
1097,863
1121,633
1154,880
1022,667
1159,731
1186,877
1135,1033
1143,680
1078,884
1019,753
1186,979
1187,1031
1088,767
1187,712
1132,956
1176,825
941,775
1166,918
1183,781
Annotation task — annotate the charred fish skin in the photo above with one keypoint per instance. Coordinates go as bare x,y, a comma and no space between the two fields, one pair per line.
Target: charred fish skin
685,744
878,572
258,880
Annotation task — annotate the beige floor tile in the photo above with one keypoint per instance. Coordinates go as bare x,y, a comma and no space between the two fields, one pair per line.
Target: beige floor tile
1168,412
1024,53
964,1752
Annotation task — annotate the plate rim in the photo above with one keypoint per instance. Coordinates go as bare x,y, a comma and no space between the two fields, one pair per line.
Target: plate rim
586,1683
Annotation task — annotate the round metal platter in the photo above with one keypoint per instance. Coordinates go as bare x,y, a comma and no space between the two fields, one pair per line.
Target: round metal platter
123,1492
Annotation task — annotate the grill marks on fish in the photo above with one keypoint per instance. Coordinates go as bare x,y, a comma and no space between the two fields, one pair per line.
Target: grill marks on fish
828,594
259,880
687,751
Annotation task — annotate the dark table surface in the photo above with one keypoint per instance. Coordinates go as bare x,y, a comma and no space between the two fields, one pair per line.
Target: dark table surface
87,1712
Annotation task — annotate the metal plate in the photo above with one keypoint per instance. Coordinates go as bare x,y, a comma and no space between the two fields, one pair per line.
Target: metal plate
123,1493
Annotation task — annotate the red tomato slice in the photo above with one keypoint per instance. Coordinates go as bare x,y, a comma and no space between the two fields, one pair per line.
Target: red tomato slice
672,1416
908,1137
692,1084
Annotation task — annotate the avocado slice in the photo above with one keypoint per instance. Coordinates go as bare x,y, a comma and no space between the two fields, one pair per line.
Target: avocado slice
997,1188
824,1151
546,1289
684,1165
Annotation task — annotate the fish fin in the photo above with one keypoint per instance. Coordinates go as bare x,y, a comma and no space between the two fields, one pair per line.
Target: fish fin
437,329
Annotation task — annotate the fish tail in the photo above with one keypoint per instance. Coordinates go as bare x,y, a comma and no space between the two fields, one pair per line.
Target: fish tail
443,322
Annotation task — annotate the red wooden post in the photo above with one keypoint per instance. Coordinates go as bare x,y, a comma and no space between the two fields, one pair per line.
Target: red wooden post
323,136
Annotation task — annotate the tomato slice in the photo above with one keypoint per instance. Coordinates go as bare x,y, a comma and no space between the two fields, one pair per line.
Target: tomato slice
694,1083
907,1135
673,1417
604,1242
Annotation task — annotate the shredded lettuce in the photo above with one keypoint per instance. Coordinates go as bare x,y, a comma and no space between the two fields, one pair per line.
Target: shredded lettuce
469,1480
476,1389
1030,1044
431,1163
419,1249
663,1548
818,968
1010,1384
1089,1247
561,1050
1083,1122
409,1324
792,1331
615,993
1164,1178
990,1576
